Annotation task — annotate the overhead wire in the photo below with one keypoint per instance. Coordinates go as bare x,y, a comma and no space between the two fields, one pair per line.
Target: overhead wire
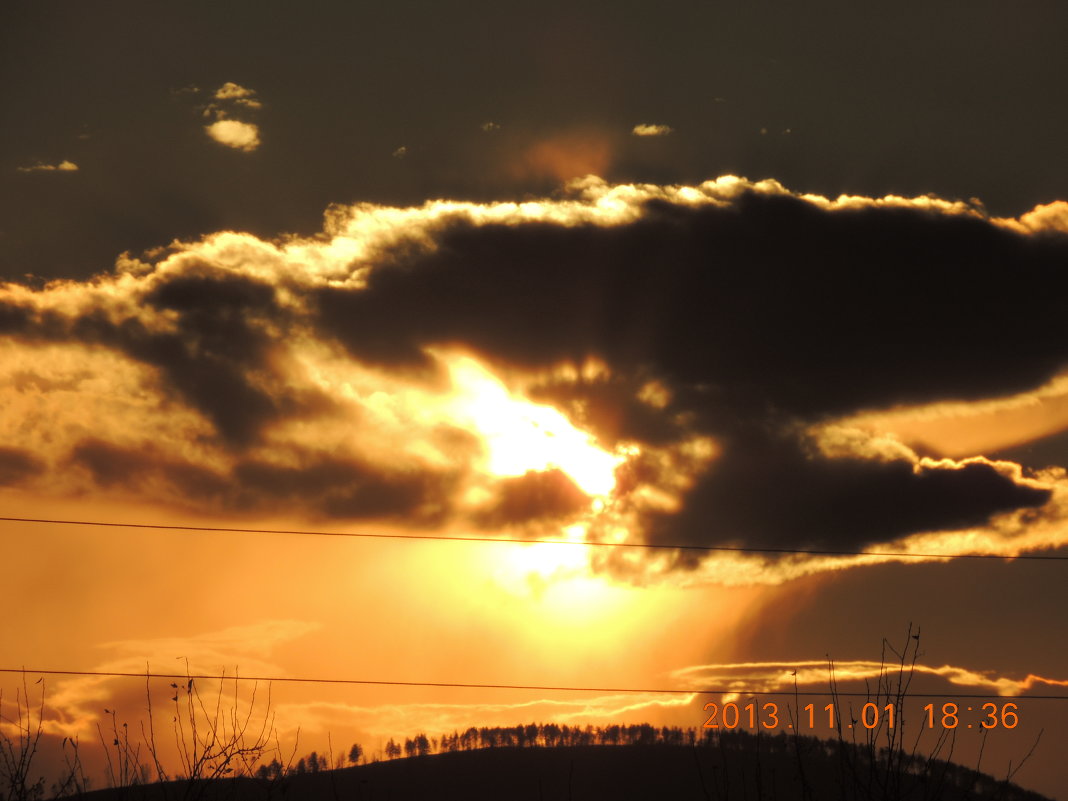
487,686
538,541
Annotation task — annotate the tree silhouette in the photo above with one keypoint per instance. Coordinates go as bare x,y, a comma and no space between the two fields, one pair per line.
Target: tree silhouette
422,745
355,753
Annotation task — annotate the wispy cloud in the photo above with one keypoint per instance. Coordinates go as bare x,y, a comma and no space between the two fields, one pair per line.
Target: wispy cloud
233,91
390,720
63,166
77,704
766,677
647,129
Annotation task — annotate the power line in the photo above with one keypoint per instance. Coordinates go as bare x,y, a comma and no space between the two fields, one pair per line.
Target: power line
463,685
582,543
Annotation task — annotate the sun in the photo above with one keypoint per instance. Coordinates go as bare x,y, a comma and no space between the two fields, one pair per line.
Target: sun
521,436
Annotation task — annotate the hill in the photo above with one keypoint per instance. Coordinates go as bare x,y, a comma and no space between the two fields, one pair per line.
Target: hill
736,768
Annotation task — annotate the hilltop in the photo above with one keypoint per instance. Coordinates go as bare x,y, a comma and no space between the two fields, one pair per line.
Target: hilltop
738,766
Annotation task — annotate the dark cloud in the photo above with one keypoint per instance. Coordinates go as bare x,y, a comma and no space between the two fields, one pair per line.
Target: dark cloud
17,465
135,469
772,493
756,317
771,304
209,359
14,318
611,407
110,465
216,345
349,489
536,496
319,485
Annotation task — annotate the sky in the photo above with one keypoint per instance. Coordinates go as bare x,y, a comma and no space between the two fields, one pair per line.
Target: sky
714,285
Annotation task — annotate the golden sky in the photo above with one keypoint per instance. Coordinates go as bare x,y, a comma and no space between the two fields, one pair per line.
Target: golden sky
688,346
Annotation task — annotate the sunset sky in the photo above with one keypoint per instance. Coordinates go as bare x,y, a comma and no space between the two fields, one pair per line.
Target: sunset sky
692,275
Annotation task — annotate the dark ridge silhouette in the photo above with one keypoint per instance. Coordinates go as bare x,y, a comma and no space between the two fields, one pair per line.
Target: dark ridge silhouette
725,767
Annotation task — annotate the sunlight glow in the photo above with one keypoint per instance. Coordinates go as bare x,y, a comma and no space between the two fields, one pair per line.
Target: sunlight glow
558,582
522,436
547,561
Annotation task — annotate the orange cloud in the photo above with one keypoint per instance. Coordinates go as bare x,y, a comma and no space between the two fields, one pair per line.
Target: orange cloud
646,129
767,677
233,91
958,429
235,134
1048,217
389,720
63,166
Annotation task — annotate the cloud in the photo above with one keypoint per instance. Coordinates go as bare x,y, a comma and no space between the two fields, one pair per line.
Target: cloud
707,348
17,465
1047,217
231,96
63,166
76,704
233,133
772,492
802,310
210,650
230,104
233,91
536,495
381,721
646,129
765,677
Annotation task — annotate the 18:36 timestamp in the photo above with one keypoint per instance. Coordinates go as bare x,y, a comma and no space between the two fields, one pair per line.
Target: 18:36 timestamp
949,715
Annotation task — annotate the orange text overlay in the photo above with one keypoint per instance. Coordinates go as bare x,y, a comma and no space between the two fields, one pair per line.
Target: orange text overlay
949,715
